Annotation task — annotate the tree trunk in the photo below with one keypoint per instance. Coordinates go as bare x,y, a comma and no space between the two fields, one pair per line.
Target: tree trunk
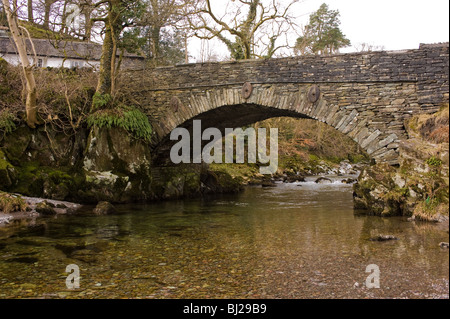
47,9
31,108
108,68
104,81
30,11
156,39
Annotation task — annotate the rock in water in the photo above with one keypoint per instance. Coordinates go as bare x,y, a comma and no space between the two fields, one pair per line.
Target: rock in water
104,208
324,180
267,184
45,208
384,238
294,179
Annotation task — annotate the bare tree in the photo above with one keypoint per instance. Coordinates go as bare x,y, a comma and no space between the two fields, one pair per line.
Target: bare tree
366,47
256,25
31,107
162,17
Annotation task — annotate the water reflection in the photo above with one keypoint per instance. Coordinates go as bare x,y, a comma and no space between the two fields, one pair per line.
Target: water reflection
292,241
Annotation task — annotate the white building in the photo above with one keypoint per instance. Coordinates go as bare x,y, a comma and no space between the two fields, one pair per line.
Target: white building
62,53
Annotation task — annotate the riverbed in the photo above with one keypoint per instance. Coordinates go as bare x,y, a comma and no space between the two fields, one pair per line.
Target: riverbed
292,241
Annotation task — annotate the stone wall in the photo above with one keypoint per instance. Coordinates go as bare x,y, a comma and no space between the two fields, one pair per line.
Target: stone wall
367,96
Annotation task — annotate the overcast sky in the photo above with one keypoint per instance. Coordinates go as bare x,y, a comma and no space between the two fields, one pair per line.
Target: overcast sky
395,24
392,24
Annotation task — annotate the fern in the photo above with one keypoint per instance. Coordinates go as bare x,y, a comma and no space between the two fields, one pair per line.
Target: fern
130,119
100,101
7,123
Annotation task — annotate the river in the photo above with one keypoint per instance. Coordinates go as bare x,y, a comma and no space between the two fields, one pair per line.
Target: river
295,241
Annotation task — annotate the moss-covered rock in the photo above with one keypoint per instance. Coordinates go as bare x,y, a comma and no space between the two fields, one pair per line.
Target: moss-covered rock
117,166
46,208
187,181
106,165
104,208
219,181
419,188
15,145
176,182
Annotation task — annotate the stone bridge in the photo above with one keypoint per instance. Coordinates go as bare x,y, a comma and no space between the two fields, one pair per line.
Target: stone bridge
367,96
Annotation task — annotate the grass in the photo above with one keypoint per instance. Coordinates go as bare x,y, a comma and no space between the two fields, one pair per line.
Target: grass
431,127
11,203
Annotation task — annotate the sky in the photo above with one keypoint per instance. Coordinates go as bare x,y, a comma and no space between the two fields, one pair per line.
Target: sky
394,24
391,24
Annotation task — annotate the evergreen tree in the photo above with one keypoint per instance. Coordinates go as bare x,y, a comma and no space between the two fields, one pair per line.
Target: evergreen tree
323,34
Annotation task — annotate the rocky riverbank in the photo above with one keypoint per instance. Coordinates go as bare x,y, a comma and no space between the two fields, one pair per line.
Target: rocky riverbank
97,165
419,187
14,208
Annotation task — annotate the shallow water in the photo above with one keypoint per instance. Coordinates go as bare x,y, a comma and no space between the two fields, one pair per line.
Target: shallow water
293,241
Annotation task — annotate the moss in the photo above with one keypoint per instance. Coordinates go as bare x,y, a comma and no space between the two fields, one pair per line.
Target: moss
228,183
58,176
292,163
15,145
4,164
243,171
30,183
7,173
39,32
358,158
54,183
177,182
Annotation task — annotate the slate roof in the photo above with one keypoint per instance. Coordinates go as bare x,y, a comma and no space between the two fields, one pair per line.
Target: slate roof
60,49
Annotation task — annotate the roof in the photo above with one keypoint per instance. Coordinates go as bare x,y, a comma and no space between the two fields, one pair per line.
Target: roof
60,49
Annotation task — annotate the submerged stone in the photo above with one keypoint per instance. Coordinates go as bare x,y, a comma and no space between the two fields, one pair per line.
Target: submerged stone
382,238
104,208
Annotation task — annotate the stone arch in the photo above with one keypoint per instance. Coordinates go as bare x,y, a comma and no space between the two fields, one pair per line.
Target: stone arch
236,106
